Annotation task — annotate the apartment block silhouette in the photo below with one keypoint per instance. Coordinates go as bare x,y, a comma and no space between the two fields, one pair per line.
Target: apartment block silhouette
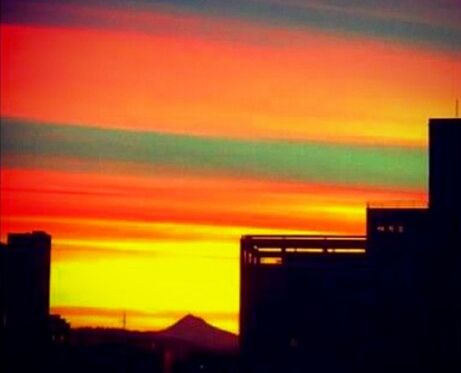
387,301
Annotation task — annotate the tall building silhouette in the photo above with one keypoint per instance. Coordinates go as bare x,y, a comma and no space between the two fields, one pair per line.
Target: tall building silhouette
390,301
398,245
445,207
444,161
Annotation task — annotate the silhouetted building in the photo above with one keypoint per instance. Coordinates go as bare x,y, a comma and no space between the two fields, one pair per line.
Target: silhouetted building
393,305
3,247
445,207
444,167
398,241
25,299
306,304
58,329
27,280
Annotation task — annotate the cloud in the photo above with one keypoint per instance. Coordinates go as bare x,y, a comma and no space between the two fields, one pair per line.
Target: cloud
435,23
313,162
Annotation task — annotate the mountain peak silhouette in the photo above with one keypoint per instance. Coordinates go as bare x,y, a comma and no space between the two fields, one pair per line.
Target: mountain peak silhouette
187,322
197,331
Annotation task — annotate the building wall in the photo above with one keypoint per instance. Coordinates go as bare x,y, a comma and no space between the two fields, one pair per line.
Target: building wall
308,312
400,257
445,205
27,282
444,166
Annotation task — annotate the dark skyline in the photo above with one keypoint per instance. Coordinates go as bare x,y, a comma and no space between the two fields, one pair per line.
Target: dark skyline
389,301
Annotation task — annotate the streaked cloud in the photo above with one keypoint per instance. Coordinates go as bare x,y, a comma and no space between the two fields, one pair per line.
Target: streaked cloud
422,22
298,161
320,88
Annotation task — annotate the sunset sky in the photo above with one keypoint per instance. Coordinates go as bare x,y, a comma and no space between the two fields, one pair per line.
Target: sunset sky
148,136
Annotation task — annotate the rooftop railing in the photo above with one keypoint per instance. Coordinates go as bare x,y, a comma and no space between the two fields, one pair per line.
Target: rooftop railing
398,204
289,245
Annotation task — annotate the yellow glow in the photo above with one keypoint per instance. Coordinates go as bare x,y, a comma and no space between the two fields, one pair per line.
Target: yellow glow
304,250
347,251
197,278
271,261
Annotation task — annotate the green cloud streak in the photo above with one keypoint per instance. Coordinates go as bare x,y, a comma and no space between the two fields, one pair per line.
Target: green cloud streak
346,164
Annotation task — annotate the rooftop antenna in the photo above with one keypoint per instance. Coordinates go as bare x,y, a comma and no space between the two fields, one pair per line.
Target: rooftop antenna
124,320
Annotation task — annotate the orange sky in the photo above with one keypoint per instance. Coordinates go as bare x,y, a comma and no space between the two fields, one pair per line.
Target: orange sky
188,84
157,236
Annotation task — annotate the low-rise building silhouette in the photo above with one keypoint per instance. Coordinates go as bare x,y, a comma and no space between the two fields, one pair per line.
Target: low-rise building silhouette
302,299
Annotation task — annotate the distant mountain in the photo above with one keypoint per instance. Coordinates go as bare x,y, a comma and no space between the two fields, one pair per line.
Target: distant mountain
196,331
190,333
